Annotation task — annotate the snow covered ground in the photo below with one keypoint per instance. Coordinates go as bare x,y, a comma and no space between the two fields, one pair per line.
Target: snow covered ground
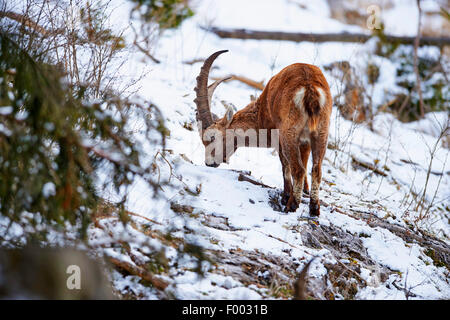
226,215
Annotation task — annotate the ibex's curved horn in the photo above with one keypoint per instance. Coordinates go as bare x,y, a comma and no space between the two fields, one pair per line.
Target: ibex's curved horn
202,99
213,87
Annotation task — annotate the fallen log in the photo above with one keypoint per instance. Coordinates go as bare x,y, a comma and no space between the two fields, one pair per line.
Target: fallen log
28,22
259,85
368,166
140,272
322,37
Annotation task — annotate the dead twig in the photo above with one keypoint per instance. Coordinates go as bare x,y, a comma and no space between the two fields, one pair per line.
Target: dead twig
146,52
243,177
194,61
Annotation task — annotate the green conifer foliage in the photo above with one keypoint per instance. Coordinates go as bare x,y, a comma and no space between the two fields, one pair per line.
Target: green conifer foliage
53,141
166,13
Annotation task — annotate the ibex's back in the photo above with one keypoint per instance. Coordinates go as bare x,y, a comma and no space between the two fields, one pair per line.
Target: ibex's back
297,102
297,94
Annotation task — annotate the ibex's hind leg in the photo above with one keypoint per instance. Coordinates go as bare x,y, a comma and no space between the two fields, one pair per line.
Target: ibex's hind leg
292,153
318,147
287,190
305,149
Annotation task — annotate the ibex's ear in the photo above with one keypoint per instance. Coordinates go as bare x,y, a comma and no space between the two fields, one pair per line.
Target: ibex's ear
229,116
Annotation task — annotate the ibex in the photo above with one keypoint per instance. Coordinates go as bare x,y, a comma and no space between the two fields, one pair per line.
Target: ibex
296,101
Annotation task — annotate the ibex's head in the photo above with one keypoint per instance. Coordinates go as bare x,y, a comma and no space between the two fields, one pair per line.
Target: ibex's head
211,127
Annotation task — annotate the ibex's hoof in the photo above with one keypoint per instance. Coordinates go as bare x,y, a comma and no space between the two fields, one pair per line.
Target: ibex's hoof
291,205
284,198
306,189
314,209
291,208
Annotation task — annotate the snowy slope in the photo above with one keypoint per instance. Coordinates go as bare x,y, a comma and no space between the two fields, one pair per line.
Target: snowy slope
228,215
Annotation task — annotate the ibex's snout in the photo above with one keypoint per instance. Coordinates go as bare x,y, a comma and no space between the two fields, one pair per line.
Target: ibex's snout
212,165
211,160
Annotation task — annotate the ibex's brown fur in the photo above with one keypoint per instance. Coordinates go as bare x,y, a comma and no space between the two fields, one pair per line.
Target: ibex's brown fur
298,102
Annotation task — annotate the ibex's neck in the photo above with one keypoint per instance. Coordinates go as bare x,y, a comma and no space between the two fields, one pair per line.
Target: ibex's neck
246,118
249,120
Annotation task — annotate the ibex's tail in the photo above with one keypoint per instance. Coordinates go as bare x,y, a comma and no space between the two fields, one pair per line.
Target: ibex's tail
313,99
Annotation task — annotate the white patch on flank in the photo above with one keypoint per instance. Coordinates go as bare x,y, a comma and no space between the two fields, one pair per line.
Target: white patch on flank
298,98
323,97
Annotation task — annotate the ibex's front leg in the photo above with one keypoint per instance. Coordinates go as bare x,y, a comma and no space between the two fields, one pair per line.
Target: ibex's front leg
318,147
